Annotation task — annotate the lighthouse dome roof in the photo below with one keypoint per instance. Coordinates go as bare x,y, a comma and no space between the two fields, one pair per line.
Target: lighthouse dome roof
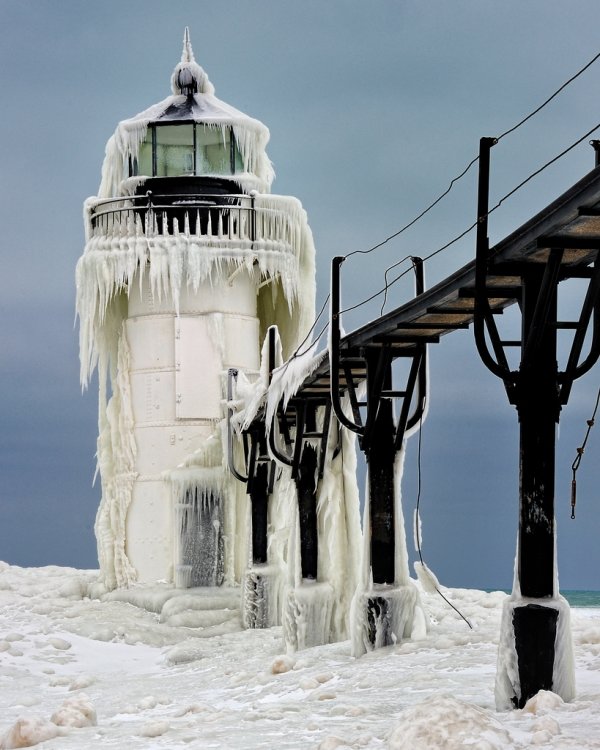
192,100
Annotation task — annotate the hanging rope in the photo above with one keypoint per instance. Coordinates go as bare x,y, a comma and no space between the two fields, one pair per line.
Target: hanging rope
580,451
418,531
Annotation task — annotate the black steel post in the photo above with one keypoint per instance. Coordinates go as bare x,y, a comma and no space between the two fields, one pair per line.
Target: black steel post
538,407
380,457
259,498
306,487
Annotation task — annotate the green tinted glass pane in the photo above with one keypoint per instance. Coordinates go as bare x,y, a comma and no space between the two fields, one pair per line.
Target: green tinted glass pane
213,155
174,150
144,160
239,162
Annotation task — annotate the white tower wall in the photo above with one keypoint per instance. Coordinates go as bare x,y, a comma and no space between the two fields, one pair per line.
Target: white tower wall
177,365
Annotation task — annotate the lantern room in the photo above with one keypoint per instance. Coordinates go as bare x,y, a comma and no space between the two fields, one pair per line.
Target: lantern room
184,148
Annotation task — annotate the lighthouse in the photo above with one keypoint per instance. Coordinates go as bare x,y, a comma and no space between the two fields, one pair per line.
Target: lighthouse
189,259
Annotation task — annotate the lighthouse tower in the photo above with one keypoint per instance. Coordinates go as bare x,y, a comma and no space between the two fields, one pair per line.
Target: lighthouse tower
188,261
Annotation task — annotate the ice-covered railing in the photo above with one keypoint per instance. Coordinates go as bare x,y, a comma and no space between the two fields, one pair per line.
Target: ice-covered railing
268,220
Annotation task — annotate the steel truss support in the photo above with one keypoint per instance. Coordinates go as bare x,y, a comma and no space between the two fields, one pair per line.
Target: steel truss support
305,430
380,437
538,390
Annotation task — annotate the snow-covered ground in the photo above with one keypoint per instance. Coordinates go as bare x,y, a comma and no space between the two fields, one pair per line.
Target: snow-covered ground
77,672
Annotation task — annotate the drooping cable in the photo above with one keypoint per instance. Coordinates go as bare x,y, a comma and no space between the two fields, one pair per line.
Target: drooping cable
524,182
417,218
542,168
434,203
580,451
550,98
418,530
475,160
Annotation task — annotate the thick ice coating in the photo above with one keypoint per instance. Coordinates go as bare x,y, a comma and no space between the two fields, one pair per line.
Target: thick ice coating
201,106
171,292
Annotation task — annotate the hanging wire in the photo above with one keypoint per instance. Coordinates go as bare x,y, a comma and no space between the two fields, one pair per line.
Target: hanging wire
550,98
417,530
434,203
417,218
385,277
474,161
439,250
580,451
541,169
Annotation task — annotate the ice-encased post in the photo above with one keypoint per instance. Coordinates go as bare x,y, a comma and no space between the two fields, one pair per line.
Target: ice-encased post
538,408
306,487
380,455
256,582
535,648
259,499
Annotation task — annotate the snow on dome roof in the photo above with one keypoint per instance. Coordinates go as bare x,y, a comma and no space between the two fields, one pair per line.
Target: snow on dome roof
193,100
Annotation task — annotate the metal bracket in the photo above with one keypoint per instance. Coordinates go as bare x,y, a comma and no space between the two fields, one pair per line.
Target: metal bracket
483,318
537,327
305,422
574,368
256,453
378,361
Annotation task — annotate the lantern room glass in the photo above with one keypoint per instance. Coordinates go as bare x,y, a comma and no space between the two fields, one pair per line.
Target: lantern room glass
213,150
174,150
187,149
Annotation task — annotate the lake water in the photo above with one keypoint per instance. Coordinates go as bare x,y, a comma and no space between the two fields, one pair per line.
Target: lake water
576,598
582,598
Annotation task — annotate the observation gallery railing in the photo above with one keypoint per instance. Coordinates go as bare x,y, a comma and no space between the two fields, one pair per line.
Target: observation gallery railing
224,217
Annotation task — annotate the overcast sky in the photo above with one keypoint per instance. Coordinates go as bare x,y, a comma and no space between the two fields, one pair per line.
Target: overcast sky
373,107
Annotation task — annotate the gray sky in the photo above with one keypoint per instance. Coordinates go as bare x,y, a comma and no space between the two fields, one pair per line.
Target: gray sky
373,108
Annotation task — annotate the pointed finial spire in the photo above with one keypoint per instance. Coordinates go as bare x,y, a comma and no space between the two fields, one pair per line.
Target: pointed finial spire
188,53
188,77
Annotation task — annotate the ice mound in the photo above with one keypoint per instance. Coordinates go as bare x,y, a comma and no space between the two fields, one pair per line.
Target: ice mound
28,732
445,723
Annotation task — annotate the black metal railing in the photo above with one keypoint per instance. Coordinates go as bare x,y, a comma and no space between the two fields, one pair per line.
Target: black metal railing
222,217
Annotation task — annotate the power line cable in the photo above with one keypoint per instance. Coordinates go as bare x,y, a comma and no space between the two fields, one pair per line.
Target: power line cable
439,250
542,168
418,532
550,98
417,218
475,160
434,203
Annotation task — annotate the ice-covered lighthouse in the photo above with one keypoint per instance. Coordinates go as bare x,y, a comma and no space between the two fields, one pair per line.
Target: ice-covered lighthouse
188,260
